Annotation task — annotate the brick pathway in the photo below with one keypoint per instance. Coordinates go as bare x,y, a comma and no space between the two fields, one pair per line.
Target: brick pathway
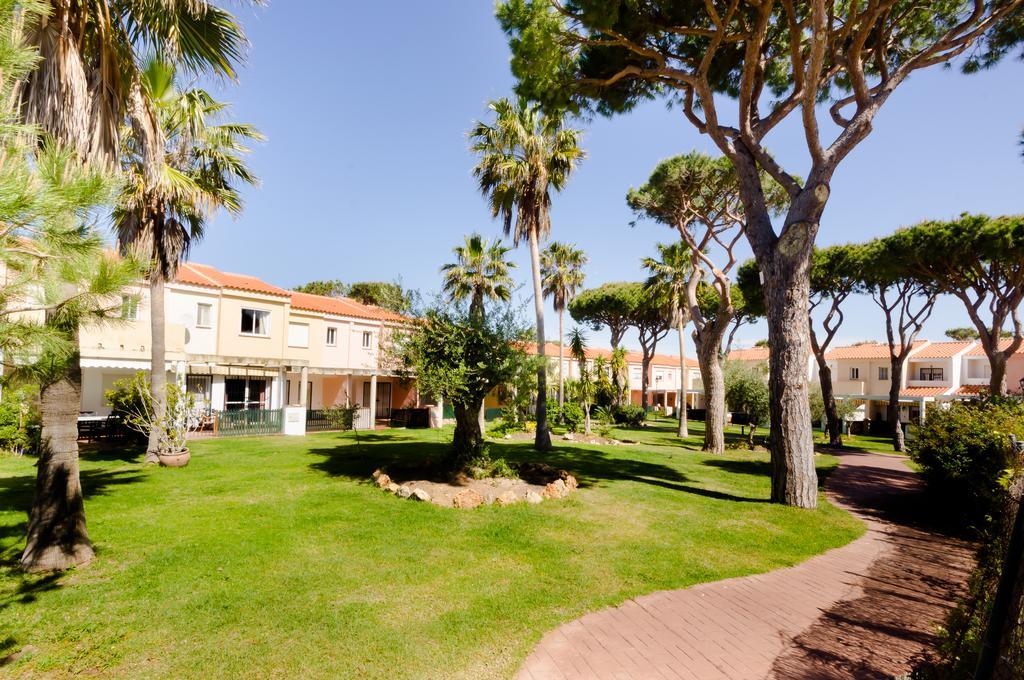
865,610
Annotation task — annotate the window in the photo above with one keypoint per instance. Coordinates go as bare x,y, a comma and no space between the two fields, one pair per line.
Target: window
204,315
883,372
332,336
931,374
367,339
298,335
854,374
255,322
129,307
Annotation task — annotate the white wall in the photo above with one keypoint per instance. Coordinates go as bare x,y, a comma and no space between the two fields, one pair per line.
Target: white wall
182,308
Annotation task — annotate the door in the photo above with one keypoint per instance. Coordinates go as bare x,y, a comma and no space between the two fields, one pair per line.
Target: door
383,399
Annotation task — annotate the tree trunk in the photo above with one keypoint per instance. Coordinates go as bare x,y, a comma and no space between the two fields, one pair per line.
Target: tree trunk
561,360
481,419
645,379
542,440
791,437
57,537
892,409
835,426
684,429
997,382
586,418
158,362
714,396
468,441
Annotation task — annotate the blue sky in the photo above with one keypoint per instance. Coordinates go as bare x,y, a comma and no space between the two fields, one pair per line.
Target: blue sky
366,171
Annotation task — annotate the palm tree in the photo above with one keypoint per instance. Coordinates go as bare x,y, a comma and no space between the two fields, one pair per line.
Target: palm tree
480,273
523,156
561,268
587,388
88,74
159,220
669,275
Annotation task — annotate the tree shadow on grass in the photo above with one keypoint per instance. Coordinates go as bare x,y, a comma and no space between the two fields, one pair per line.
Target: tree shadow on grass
761,468
112,452
357,459
16,492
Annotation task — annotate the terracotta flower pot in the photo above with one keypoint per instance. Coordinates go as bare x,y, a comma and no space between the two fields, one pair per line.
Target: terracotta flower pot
179,459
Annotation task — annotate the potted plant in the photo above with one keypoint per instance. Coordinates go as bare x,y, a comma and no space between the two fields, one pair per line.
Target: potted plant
172,429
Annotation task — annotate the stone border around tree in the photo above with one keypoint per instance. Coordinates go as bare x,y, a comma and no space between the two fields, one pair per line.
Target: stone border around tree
562,484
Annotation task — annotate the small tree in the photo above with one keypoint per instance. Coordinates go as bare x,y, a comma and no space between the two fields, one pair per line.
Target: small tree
585,387
132,400
907,303
612,306
668,277
561,271
746,391
652,319
461,359
989,282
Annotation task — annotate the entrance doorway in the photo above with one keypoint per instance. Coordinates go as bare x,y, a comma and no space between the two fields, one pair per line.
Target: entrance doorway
383,399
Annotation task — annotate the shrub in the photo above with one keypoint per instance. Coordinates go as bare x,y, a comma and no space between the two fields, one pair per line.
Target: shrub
19,420
570,414
629,415
965,456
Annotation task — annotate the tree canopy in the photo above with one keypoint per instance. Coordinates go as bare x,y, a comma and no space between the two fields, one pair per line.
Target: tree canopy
389,295
611,305
327,288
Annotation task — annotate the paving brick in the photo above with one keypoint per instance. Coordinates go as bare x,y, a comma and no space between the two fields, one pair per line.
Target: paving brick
864,610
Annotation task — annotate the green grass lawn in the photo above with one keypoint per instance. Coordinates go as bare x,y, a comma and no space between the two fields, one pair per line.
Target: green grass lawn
275,557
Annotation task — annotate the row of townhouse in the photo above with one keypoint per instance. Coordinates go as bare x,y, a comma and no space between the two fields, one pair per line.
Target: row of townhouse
666,379
934,372
238,343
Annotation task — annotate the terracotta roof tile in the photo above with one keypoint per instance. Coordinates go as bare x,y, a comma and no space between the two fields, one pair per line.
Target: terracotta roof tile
343,307
979,351
750,354
867,350
972,390
942,350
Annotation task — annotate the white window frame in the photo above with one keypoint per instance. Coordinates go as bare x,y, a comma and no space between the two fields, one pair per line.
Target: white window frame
130,307
367,339
200,306
854,373
883,370
294,340
332,336
263,313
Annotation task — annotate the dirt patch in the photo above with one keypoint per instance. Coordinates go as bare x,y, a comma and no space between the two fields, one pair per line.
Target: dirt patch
536,483
571,437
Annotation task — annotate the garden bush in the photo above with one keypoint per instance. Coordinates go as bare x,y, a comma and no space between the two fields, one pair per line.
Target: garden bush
19,420
570,414
965,457
629,415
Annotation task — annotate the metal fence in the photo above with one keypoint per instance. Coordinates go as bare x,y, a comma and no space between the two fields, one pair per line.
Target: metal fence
324,420
246,422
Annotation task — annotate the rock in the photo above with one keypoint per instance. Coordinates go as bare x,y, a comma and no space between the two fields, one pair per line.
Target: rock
467,498
533,497
507,498
382,480
555,489
377,473
393,488
507,436
569,436
420,495
570,483
404,491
